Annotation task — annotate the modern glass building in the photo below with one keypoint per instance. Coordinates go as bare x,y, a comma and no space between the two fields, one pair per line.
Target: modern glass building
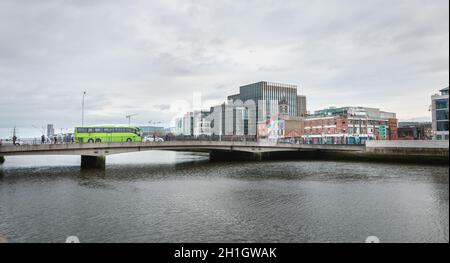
439,111
228,119
185,125
266,96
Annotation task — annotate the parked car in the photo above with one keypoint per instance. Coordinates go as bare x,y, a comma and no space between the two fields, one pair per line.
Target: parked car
151,139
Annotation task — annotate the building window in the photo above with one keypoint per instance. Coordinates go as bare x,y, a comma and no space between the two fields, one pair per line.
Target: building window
442,115
442,126
442,104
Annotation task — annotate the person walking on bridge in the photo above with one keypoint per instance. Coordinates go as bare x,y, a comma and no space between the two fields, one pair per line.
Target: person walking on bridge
42,139
14,138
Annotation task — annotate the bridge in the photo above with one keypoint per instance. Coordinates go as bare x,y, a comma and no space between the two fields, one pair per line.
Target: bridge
93,154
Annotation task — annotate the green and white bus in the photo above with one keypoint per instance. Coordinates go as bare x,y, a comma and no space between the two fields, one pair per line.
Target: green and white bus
107,133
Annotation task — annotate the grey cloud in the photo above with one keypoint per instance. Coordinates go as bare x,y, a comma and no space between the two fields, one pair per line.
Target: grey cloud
133,56
162,107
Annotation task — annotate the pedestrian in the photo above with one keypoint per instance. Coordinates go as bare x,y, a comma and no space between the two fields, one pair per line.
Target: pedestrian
14,138
42,139
154,137
55,139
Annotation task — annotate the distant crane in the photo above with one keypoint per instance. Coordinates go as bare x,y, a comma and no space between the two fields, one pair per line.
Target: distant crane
40,130
129,118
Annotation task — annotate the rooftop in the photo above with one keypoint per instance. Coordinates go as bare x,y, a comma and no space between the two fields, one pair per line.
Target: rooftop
274,84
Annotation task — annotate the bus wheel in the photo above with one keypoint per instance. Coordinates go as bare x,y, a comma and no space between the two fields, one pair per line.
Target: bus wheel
91,141
129,140
98,140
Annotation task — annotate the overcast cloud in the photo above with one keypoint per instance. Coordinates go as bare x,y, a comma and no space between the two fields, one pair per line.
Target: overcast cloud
146,57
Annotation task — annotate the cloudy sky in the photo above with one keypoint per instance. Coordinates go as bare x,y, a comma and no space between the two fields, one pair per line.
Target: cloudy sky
147,57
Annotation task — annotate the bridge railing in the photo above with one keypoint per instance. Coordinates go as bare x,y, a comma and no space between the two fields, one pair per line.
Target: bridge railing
34,141
239,138
216,138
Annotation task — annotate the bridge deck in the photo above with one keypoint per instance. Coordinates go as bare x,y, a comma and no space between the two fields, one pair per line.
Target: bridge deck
103,149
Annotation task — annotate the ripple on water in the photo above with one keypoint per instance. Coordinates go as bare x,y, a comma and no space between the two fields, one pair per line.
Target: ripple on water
187,198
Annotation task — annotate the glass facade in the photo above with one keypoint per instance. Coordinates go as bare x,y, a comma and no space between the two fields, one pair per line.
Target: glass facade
440,115
270,94
442,104
442,126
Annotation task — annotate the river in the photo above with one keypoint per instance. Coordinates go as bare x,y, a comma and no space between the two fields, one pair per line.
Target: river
182,197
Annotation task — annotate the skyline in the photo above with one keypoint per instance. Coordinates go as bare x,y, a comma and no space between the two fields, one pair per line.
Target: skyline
146,57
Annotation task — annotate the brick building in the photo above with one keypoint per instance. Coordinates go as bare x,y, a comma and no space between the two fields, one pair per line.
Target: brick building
349,125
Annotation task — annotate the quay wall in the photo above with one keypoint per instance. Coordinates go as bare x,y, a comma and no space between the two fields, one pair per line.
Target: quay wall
413,152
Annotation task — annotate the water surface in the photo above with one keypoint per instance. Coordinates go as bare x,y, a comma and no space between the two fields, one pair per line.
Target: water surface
179,197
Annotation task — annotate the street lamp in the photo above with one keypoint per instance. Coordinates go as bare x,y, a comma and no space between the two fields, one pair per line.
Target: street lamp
82,110
129,118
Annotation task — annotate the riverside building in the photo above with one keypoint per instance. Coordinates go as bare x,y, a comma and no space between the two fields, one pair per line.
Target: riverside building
349,125
439,113
258,103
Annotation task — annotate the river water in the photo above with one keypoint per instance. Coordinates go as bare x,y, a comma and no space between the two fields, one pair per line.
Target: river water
181,197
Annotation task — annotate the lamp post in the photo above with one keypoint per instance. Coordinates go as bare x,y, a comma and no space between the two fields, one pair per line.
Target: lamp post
129,118
82,110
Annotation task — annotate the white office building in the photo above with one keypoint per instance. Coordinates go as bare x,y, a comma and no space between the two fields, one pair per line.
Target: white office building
439,114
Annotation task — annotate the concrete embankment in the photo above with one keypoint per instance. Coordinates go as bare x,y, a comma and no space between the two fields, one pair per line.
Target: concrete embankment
423,152
417,152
